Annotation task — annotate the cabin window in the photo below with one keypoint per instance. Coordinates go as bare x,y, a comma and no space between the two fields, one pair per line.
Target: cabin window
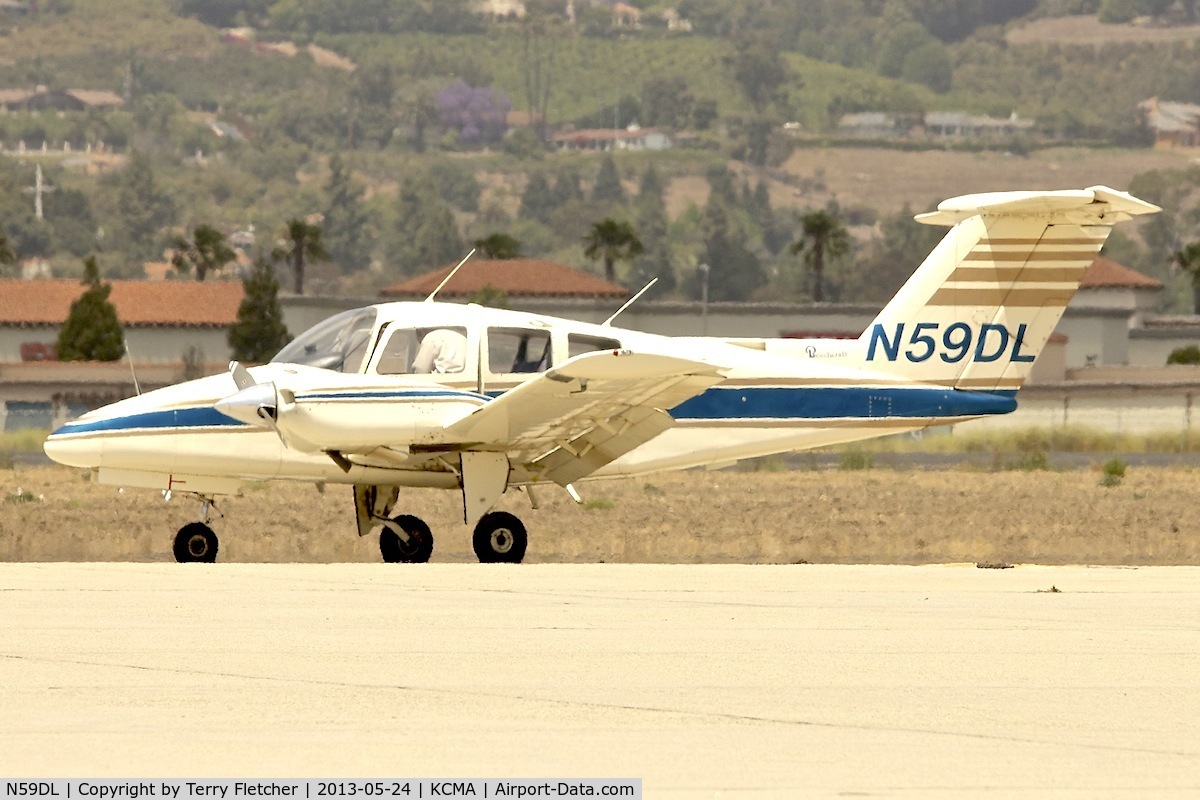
338,343
440,350
518,350
577,344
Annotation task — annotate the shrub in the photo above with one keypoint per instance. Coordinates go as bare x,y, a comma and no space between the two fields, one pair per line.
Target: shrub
1114,471
1185,355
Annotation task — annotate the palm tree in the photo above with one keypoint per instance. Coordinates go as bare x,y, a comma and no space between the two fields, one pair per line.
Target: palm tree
303,241
821,234
206,251
1188,260
612,241
7,255
498,246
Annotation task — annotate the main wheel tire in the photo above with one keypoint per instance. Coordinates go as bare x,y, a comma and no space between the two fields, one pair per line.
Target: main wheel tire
195,542
416,550
500,538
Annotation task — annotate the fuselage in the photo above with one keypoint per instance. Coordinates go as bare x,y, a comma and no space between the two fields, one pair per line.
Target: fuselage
351,380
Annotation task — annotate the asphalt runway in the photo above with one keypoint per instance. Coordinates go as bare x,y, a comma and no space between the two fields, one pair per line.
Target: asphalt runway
704,681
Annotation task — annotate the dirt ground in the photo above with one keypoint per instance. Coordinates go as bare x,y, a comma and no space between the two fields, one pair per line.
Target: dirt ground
815,516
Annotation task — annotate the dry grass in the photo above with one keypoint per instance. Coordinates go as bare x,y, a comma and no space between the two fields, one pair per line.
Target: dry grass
872,516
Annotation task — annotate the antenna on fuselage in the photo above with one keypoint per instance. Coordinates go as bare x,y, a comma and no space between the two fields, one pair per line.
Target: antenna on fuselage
448,277
132,371
629,302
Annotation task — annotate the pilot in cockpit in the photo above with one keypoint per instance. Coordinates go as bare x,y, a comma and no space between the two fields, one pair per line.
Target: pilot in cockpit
442,350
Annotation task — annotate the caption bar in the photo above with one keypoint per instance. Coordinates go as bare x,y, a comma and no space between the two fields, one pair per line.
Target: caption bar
404,788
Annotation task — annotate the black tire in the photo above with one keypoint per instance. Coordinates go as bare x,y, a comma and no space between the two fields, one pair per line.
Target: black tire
416,550
196,543
500,538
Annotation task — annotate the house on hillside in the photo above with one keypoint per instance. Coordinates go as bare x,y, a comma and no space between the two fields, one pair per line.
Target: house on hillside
1174,124
634,137
43,99
518,278
961,125
500,9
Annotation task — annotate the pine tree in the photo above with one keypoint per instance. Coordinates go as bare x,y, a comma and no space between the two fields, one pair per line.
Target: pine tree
735,272
537,201
259,332
608,183
7,254
92,331
345,220
144,206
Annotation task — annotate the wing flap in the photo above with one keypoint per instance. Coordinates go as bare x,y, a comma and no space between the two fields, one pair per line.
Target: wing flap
572,420
602,444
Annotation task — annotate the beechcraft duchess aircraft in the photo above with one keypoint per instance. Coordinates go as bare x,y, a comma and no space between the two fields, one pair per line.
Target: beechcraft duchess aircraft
430,394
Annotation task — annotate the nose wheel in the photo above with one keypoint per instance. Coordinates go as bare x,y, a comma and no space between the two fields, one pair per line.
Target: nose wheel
500,538
195,542
414,548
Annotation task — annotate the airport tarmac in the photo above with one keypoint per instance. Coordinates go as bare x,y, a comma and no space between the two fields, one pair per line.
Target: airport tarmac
704,681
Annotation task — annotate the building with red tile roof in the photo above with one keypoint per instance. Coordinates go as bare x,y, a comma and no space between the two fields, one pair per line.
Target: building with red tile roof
1104,273
516,277
162,319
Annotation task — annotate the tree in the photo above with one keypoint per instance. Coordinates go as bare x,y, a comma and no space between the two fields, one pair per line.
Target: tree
259,332
206,250
345,220
612,241
498,246
822,234
7,255
477,115
302,242
1188,261
759,69
608,183
92,331
735,273
537,202
143,206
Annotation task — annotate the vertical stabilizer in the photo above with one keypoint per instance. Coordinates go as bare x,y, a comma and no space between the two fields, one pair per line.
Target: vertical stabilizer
980,308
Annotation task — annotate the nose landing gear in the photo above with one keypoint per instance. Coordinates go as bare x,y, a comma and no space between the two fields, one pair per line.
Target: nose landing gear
196,542
415,547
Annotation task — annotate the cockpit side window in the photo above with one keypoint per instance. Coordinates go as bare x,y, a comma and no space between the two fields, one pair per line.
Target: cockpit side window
338,343
440,350
518,350
578,344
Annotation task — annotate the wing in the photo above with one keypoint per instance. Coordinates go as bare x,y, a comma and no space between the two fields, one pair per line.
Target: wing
571,420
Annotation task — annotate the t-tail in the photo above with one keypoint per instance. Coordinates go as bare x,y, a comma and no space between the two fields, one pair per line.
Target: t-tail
980,308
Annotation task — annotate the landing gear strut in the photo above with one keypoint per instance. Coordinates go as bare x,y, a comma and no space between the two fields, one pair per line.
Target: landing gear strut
500,538
196,542
415,549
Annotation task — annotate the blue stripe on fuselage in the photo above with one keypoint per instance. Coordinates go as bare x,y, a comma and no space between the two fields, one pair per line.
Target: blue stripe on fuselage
200,417
740,403
778,402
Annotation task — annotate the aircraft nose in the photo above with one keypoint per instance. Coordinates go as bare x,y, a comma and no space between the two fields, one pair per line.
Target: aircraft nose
74,451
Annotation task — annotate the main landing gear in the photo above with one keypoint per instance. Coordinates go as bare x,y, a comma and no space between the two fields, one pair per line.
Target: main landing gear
196,542
499,538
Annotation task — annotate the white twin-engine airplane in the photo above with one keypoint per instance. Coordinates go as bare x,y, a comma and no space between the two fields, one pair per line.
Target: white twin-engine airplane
430,394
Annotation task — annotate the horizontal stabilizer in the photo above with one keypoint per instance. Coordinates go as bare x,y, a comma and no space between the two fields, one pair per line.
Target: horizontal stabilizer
1092,206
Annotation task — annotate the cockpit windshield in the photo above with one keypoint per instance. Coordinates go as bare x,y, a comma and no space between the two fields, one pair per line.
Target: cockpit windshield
338,343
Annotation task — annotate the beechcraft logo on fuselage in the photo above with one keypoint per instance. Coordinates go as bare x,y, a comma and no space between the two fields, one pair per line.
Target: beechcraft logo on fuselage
952,343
